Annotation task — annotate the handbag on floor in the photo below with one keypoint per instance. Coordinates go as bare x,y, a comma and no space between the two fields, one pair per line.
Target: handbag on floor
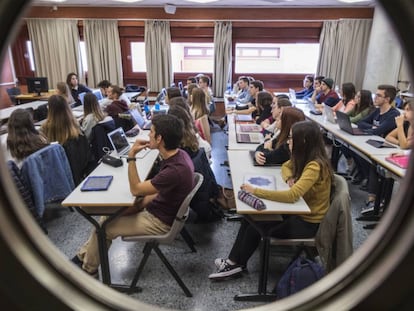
226,198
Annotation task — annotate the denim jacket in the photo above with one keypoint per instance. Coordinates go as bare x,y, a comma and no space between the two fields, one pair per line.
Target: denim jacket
48,175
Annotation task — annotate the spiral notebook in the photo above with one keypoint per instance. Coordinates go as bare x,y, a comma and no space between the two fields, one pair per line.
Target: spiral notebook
97,183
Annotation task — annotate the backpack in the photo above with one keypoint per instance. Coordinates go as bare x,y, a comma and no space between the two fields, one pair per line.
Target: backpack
301,273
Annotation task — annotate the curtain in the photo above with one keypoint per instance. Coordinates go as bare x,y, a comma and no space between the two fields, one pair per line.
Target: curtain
158,54
343,50
222,57
103,50
56,50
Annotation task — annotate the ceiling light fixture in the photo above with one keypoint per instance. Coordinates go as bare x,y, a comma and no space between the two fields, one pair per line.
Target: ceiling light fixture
202,1
128,1
353,1
169,8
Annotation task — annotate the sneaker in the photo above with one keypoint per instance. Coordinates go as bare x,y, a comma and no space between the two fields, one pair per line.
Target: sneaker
226,270
369,208
219,262
79,263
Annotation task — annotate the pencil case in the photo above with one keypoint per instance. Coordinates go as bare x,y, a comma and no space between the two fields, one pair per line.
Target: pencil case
251,200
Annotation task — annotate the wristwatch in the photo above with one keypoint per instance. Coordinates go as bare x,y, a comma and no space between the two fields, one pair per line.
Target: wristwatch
131,159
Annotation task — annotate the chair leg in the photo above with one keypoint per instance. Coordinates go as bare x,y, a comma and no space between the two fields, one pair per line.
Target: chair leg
147,251
172,271
188,239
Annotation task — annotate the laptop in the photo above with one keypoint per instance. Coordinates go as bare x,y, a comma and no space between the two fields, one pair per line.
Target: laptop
119,142
329,114
82,97
248,138
252,155
345,124
139,119
294,100
98,94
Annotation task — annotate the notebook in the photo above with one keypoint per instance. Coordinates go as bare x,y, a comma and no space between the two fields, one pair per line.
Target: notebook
119,141
345,124
252,155
243,118
139,119
248,138
380,144
329,114
261,181
400,161
97,183
250,128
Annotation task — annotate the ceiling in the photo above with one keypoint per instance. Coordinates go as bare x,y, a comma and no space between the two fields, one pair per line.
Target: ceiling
219,3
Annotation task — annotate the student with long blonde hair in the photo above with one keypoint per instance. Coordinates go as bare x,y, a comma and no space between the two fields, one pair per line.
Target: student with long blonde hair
63,89
200,113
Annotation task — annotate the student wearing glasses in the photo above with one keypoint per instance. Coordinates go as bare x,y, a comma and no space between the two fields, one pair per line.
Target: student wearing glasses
309,175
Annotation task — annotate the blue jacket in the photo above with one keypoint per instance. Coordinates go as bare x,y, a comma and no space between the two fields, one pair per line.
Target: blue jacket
244,97
305,93
379,124
48,175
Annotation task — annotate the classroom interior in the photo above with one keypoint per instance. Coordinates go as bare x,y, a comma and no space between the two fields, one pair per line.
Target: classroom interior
67,230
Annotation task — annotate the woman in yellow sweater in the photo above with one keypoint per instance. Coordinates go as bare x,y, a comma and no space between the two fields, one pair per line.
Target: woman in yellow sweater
309,175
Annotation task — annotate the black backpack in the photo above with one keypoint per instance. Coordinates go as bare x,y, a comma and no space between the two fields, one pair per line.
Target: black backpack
300,274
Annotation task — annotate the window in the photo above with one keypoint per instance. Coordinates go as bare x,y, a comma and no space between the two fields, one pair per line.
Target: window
276,58
30,55
138,57
192,57
84,63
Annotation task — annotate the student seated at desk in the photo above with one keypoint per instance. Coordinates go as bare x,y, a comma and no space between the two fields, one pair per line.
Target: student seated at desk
269,124
104,86
347,103
76,88
23,139
309,175
200,113
327,95
62,89
363,106
307,90
263,107
403,134
92,115
159,197
61,126
276,150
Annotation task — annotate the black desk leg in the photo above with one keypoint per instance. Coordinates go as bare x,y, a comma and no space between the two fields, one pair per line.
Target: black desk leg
262,294
103,251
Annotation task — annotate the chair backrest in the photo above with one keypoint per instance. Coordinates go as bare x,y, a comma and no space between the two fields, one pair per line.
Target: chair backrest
12,92
179,221
99,138
334,236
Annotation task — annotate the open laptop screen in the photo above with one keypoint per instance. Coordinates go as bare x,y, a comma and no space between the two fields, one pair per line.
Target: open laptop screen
119,141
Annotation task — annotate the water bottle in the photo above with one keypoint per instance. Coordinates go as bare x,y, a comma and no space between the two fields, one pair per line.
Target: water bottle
157,106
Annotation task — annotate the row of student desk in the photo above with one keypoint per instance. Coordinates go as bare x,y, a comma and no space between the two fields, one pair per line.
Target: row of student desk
111,202
241,164
373,155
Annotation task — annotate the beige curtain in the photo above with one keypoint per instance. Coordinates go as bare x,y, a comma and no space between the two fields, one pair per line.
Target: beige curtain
222,57
158,54
343,50
55,45
103,50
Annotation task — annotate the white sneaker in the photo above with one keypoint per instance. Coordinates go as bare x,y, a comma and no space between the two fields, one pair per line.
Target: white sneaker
219,262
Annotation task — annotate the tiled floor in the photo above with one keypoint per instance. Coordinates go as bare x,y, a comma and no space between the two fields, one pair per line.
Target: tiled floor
68,230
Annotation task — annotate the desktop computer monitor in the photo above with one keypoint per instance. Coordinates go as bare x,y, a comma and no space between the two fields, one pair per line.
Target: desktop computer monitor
37,85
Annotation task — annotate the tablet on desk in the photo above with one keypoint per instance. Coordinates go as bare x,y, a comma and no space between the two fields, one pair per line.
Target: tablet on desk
97,183
380,144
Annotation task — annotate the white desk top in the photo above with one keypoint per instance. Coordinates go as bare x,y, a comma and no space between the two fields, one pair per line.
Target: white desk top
118,193
240,165
6,112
